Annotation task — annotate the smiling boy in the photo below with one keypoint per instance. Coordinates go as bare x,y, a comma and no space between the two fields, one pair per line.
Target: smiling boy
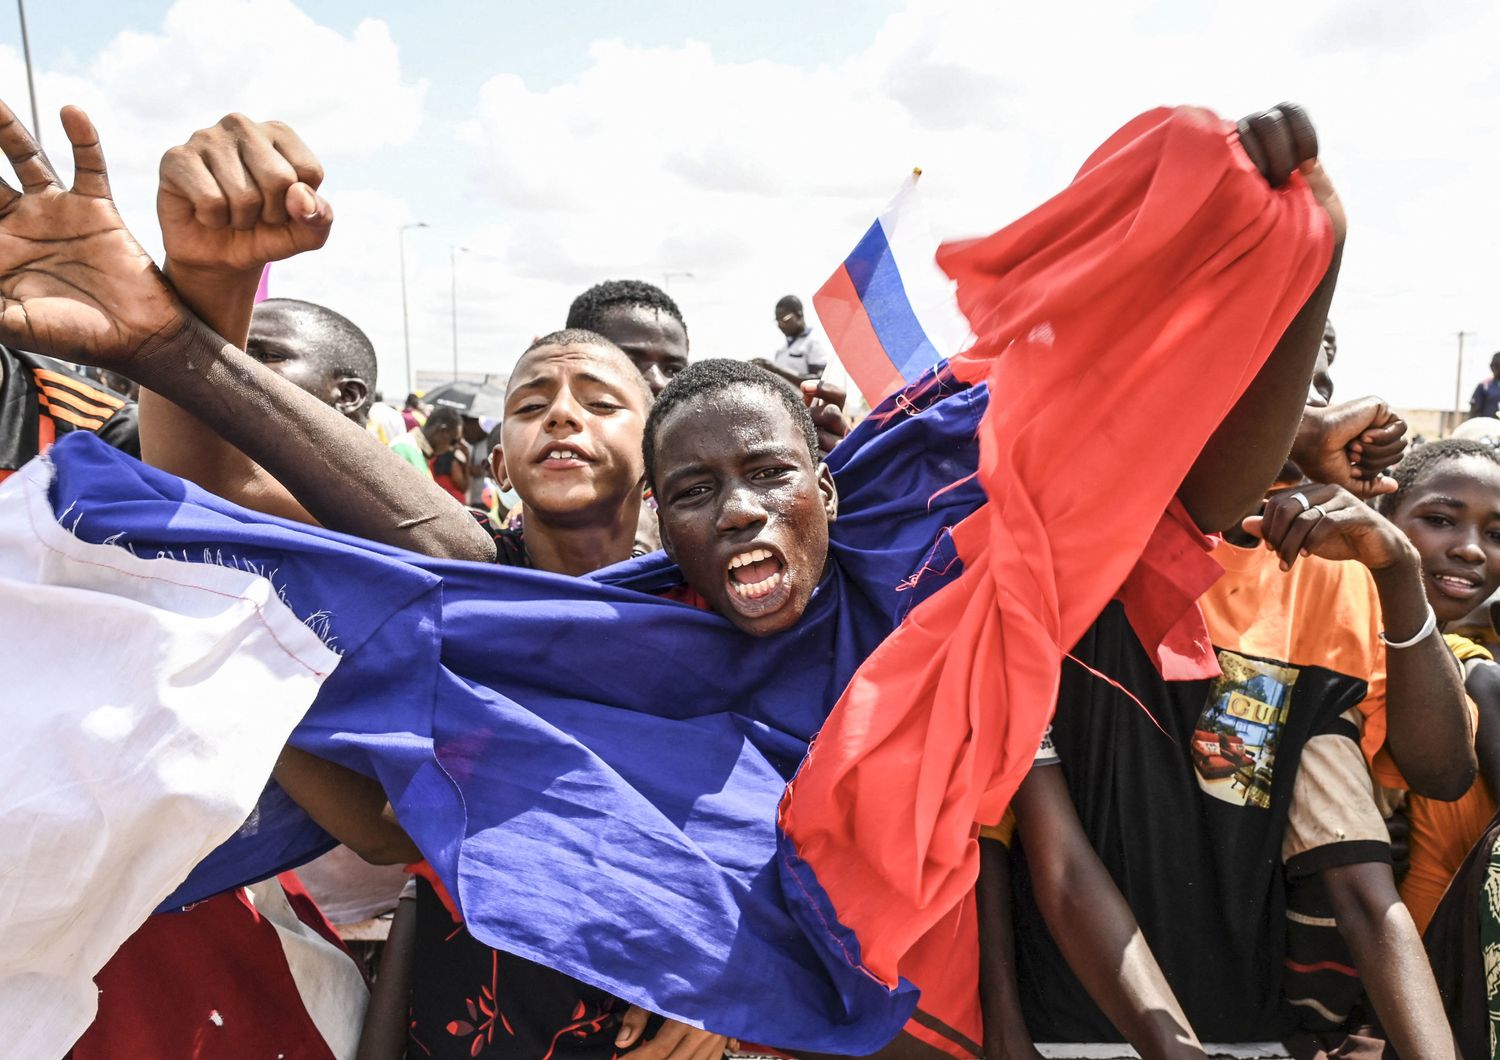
570,447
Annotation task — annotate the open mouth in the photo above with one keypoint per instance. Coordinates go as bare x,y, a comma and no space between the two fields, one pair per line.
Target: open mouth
757,581
562,457
1457,586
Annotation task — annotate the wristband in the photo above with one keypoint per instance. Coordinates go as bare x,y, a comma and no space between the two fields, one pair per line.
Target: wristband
1429,627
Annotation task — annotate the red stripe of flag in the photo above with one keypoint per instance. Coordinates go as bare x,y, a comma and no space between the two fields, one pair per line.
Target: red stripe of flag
848,328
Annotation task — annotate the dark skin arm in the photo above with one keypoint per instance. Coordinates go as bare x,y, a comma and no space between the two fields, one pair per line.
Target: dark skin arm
460,471
791,377
74,283
1427,718
1392,963
383,1036
1483,686
347,805
1005,1034
338,471
1093,926
233,198
825,402
1351,444
1242,457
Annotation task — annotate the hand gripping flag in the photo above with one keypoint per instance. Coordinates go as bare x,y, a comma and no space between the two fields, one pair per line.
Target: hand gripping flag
888,310
593,770
1117,324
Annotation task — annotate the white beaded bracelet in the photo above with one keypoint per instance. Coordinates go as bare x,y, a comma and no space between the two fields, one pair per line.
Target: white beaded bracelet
1428,629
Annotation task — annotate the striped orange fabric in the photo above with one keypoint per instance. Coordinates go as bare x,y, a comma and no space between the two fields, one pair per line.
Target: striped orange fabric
77,403
62,412
99,397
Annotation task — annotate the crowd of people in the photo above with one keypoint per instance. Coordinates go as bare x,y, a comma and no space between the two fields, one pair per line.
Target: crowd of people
1263,806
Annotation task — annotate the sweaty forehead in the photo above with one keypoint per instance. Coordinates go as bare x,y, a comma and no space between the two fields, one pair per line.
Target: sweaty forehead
643,327
296,333
612,366
733,419
279,319
1471,479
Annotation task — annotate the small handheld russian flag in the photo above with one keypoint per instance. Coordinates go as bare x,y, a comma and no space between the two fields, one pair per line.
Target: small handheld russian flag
888,310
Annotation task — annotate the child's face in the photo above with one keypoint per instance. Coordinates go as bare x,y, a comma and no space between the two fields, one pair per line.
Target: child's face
654,341
744,509
570,445
1452,517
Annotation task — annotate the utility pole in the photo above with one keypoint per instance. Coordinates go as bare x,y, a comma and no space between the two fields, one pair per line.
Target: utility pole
453,252
36,125
405,317
1459,408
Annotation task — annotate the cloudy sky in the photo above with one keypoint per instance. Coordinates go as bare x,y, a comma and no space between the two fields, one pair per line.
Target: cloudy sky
735,152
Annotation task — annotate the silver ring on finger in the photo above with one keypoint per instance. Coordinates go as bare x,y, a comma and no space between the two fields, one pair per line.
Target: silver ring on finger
1302,501
1319,509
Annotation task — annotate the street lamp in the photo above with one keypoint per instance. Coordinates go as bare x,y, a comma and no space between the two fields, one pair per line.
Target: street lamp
1458,380
36,124
666,278
453,251
405,318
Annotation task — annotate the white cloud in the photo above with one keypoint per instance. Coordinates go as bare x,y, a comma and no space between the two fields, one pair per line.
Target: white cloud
346,95
263,57
758,177
736,182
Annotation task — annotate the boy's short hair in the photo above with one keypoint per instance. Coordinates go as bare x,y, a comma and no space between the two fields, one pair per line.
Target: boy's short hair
589,309
713,376
1420,462
583,337
343,350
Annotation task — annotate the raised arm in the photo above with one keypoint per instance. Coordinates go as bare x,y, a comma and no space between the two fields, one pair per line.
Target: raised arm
234,198
75,284
1241,459
1427,717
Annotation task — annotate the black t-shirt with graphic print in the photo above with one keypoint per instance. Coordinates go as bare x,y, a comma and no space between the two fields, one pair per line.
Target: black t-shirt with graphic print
1186,805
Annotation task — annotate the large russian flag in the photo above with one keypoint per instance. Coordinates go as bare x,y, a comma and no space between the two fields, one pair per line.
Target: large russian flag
889,311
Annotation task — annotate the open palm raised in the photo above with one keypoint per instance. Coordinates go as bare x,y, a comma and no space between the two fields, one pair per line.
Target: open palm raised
74,283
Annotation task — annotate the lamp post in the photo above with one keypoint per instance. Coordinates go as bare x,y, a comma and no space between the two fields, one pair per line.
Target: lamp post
666,278
405,317
36,125
453,251
1458,380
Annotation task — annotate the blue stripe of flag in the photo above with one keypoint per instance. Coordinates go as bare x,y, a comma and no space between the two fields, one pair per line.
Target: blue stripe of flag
877,281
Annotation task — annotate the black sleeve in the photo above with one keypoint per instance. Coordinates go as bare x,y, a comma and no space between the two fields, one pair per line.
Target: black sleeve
123,430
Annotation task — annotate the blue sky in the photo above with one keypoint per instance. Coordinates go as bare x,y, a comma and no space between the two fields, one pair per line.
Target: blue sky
748,146
544,43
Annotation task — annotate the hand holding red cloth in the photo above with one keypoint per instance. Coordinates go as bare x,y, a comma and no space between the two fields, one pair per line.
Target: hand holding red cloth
1117,325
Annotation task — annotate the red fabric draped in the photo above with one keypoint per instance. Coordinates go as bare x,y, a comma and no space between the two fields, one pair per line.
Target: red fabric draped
1117,324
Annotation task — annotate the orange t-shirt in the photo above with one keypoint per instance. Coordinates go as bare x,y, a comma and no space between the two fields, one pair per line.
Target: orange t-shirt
1322,613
